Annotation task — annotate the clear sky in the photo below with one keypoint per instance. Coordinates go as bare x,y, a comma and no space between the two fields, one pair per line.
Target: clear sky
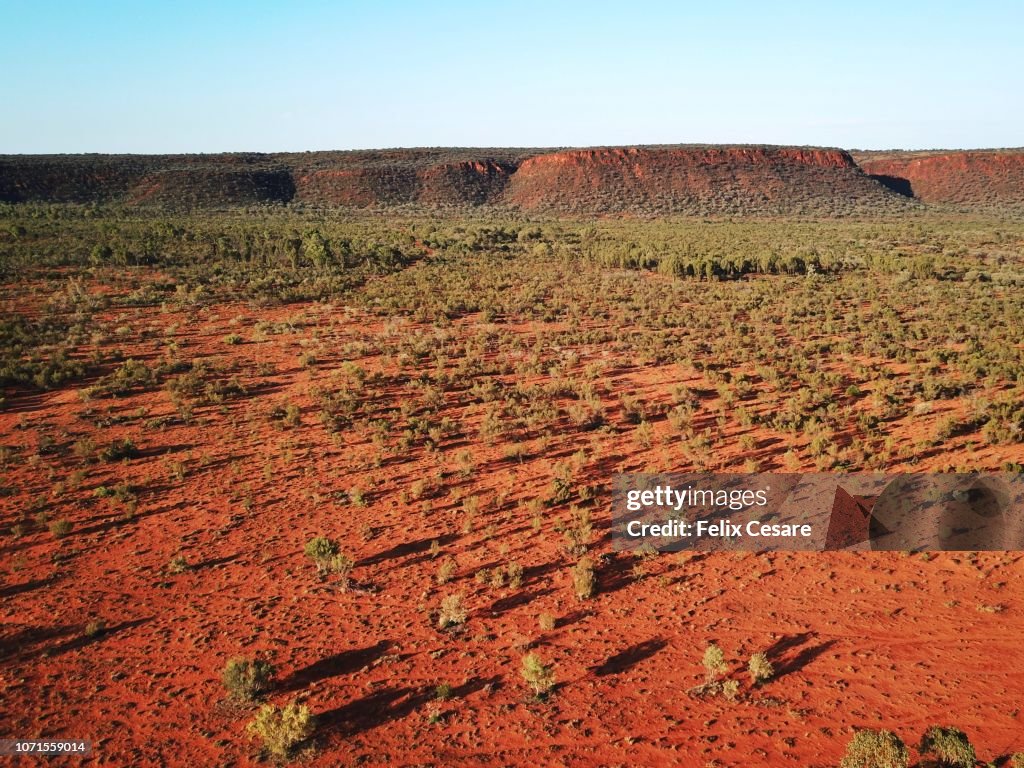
214,76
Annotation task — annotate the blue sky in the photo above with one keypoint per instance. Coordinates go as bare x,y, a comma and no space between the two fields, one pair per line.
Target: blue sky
217,76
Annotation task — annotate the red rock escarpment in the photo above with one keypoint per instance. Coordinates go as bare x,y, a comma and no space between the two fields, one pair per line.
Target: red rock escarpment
969,178
698,180
471,182
652,180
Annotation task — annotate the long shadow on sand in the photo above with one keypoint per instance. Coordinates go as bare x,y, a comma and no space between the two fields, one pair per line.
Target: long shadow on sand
28,586
787,643
624,660
339,664
83,640
408,548
30,636
377,708
504,604
492,683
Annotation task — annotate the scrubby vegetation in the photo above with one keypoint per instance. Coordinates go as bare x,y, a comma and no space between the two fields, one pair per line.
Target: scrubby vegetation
538,675
760,668
949,746
282,729
247,679
714,662
452,613
447,399
875,749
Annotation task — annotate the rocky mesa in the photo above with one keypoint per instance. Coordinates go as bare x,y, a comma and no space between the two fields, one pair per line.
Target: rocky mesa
755,180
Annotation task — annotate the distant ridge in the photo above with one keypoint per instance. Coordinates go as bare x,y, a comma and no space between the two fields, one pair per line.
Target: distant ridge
733,180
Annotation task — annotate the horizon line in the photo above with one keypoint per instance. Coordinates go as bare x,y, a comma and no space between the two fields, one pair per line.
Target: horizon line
537,148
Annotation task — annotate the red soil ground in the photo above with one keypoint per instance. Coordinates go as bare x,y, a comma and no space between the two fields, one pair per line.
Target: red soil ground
880,640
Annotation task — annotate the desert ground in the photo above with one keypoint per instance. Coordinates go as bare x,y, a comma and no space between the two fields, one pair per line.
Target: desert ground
375,453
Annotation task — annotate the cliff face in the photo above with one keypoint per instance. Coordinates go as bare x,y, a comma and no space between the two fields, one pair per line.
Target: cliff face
697,180
733,180
968,178
57,179
359,187
184,181
190,188
470,182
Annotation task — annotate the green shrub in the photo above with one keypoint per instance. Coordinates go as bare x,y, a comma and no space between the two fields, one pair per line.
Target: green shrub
452,613
281,730
875,749
760,668
514,571
538,675
247,680
95,628
950,746
446,570
60,528
321,550
119,450
342,566
443,692
584,583
85,449
713,661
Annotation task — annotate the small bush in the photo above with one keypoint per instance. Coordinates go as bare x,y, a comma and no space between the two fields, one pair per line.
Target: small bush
578,531
282,729
246,680
443,692
514,571
85,449
119,450
584,583
1017,760
713,661
321,550
95,628
731,689
342,566
60,528
232,339
760,668
446,570
950,746
546,621
538,675
875,749
452,612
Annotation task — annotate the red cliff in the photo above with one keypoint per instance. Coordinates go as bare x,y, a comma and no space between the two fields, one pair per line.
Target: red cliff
968,178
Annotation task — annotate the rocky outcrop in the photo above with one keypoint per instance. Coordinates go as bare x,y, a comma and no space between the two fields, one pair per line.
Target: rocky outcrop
696,180
654,180
973,179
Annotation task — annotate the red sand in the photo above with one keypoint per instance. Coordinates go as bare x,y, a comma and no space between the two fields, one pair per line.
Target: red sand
857,640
